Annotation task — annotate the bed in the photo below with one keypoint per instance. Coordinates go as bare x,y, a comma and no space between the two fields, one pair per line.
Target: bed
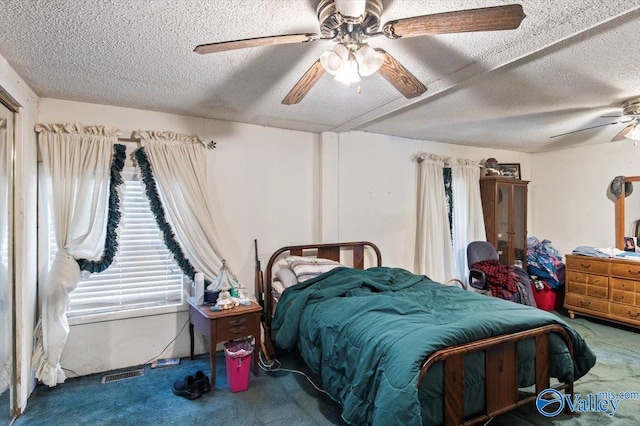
397,348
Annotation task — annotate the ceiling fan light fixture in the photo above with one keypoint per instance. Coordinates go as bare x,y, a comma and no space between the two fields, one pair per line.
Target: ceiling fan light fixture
349,72
634,134
333,60
369,60
351,8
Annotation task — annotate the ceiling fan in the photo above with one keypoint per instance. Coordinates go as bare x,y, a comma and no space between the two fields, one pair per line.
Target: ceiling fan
630,116
351,23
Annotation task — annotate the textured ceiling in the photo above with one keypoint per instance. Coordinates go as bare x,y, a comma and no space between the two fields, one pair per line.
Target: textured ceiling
567,64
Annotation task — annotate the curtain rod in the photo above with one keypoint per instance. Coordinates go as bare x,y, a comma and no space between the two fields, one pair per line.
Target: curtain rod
128,140
210,145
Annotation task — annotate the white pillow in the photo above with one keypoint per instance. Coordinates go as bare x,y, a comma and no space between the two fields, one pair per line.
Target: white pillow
310,267
286,277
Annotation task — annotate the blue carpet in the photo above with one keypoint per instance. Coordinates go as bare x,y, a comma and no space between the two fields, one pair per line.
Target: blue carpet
289,399
272,398
4,408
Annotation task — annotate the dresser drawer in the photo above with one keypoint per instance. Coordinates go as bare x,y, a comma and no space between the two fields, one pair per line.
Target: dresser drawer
587,290
595,291
620,296
626,270
625,285
234,327
626,312
588,265
579,277
586,303
576,287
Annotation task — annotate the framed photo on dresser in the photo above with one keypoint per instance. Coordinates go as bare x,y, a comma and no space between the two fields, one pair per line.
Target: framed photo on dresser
630,244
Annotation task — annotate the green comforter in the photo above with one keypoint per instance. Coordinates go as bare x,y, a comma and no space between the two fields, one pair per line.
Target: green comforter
370,331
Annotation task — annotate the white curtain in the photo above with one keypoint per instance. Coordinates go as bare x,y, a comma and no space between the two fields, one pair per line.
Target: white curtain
76,163
180,171
434,253
468,221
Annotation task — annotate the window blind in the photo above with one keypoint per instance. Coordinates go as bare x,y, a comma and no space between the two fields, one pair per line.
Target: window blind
143,273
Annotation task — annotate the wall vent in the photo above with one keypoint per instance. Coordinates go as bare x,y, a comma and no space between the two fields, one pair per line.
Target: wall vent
116,377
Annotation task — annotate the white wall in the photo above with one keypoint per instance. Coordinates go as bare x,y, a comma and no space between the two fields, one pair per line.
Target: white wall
377,188
569,204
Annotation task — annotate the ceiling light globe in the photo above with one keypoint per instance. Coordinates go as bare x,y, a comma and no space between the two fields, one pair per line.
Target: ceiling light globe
333,60
634,134
348,73
369,60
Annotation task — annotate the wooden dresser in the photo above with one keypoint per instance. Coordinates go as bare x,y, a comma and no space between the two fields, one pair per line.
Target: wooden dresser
603,288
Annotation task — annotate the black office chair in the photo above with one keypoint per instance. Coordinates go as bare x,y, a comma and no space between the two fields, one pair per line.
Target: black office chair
477,251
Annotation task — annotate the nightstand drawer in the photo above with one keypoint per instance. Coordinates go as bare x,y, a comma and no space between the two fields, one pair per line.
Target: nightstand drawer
584,302
588,265
237,326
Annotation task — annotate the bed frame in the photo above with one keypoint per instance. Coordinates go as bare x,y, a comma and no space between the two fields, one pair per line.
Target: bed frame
501,357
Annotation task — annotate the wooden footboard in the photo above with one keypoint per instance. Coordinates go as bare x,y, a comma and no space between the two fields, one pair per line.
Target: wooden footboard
501,373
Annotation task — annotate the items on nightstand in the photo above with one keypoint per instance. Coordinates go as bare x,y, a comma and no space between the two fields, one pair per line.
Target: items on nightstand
228,287
198,280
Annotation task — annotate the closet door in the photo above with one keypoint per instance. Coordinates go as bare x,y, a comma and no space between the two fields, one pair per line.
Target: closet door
7,377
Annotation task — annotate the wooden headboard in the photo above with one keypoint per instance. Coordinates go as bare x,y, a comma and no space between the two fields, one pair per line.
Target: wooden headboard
332,251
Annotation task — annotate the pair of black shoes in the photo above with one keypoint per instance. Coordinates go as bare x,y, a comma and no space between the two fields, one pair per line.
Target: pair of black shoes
192,387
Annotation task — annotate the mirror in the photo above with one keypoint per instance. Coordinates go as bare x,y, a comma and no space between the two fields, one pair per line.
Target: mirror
627,210
7,378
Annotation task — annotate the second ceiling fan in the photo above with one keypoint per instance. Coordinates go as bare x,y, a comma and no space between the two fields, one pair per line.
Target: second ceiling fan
630,116
351,23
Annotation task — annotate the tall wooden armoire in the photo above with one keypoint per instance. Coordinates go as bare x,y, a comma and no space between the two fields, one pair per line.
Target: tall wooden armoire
504,205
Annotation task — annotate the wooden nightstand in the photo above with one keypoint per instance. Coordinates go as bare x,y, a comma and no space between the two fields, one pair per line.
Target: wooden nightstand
221,326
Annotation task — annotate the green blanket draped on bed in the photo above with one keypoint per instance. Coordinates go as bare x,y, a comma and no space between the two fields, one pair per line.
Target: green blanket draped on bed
367,333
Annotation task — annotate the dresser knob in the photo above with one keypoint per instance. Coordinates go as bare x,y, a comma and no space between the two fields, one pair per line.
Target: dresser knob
585,303
631,314
237,322
237,330
632,272
585,265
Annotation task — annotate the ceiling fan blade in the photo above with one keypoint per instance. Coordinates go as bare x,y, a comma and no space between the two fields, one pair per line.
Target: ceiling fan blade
255,42
485,19
305,84
589,128
624,132
400,77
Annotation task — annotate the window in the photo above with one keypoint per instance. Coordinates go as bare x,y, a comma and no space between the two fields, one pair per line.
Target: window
143,274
